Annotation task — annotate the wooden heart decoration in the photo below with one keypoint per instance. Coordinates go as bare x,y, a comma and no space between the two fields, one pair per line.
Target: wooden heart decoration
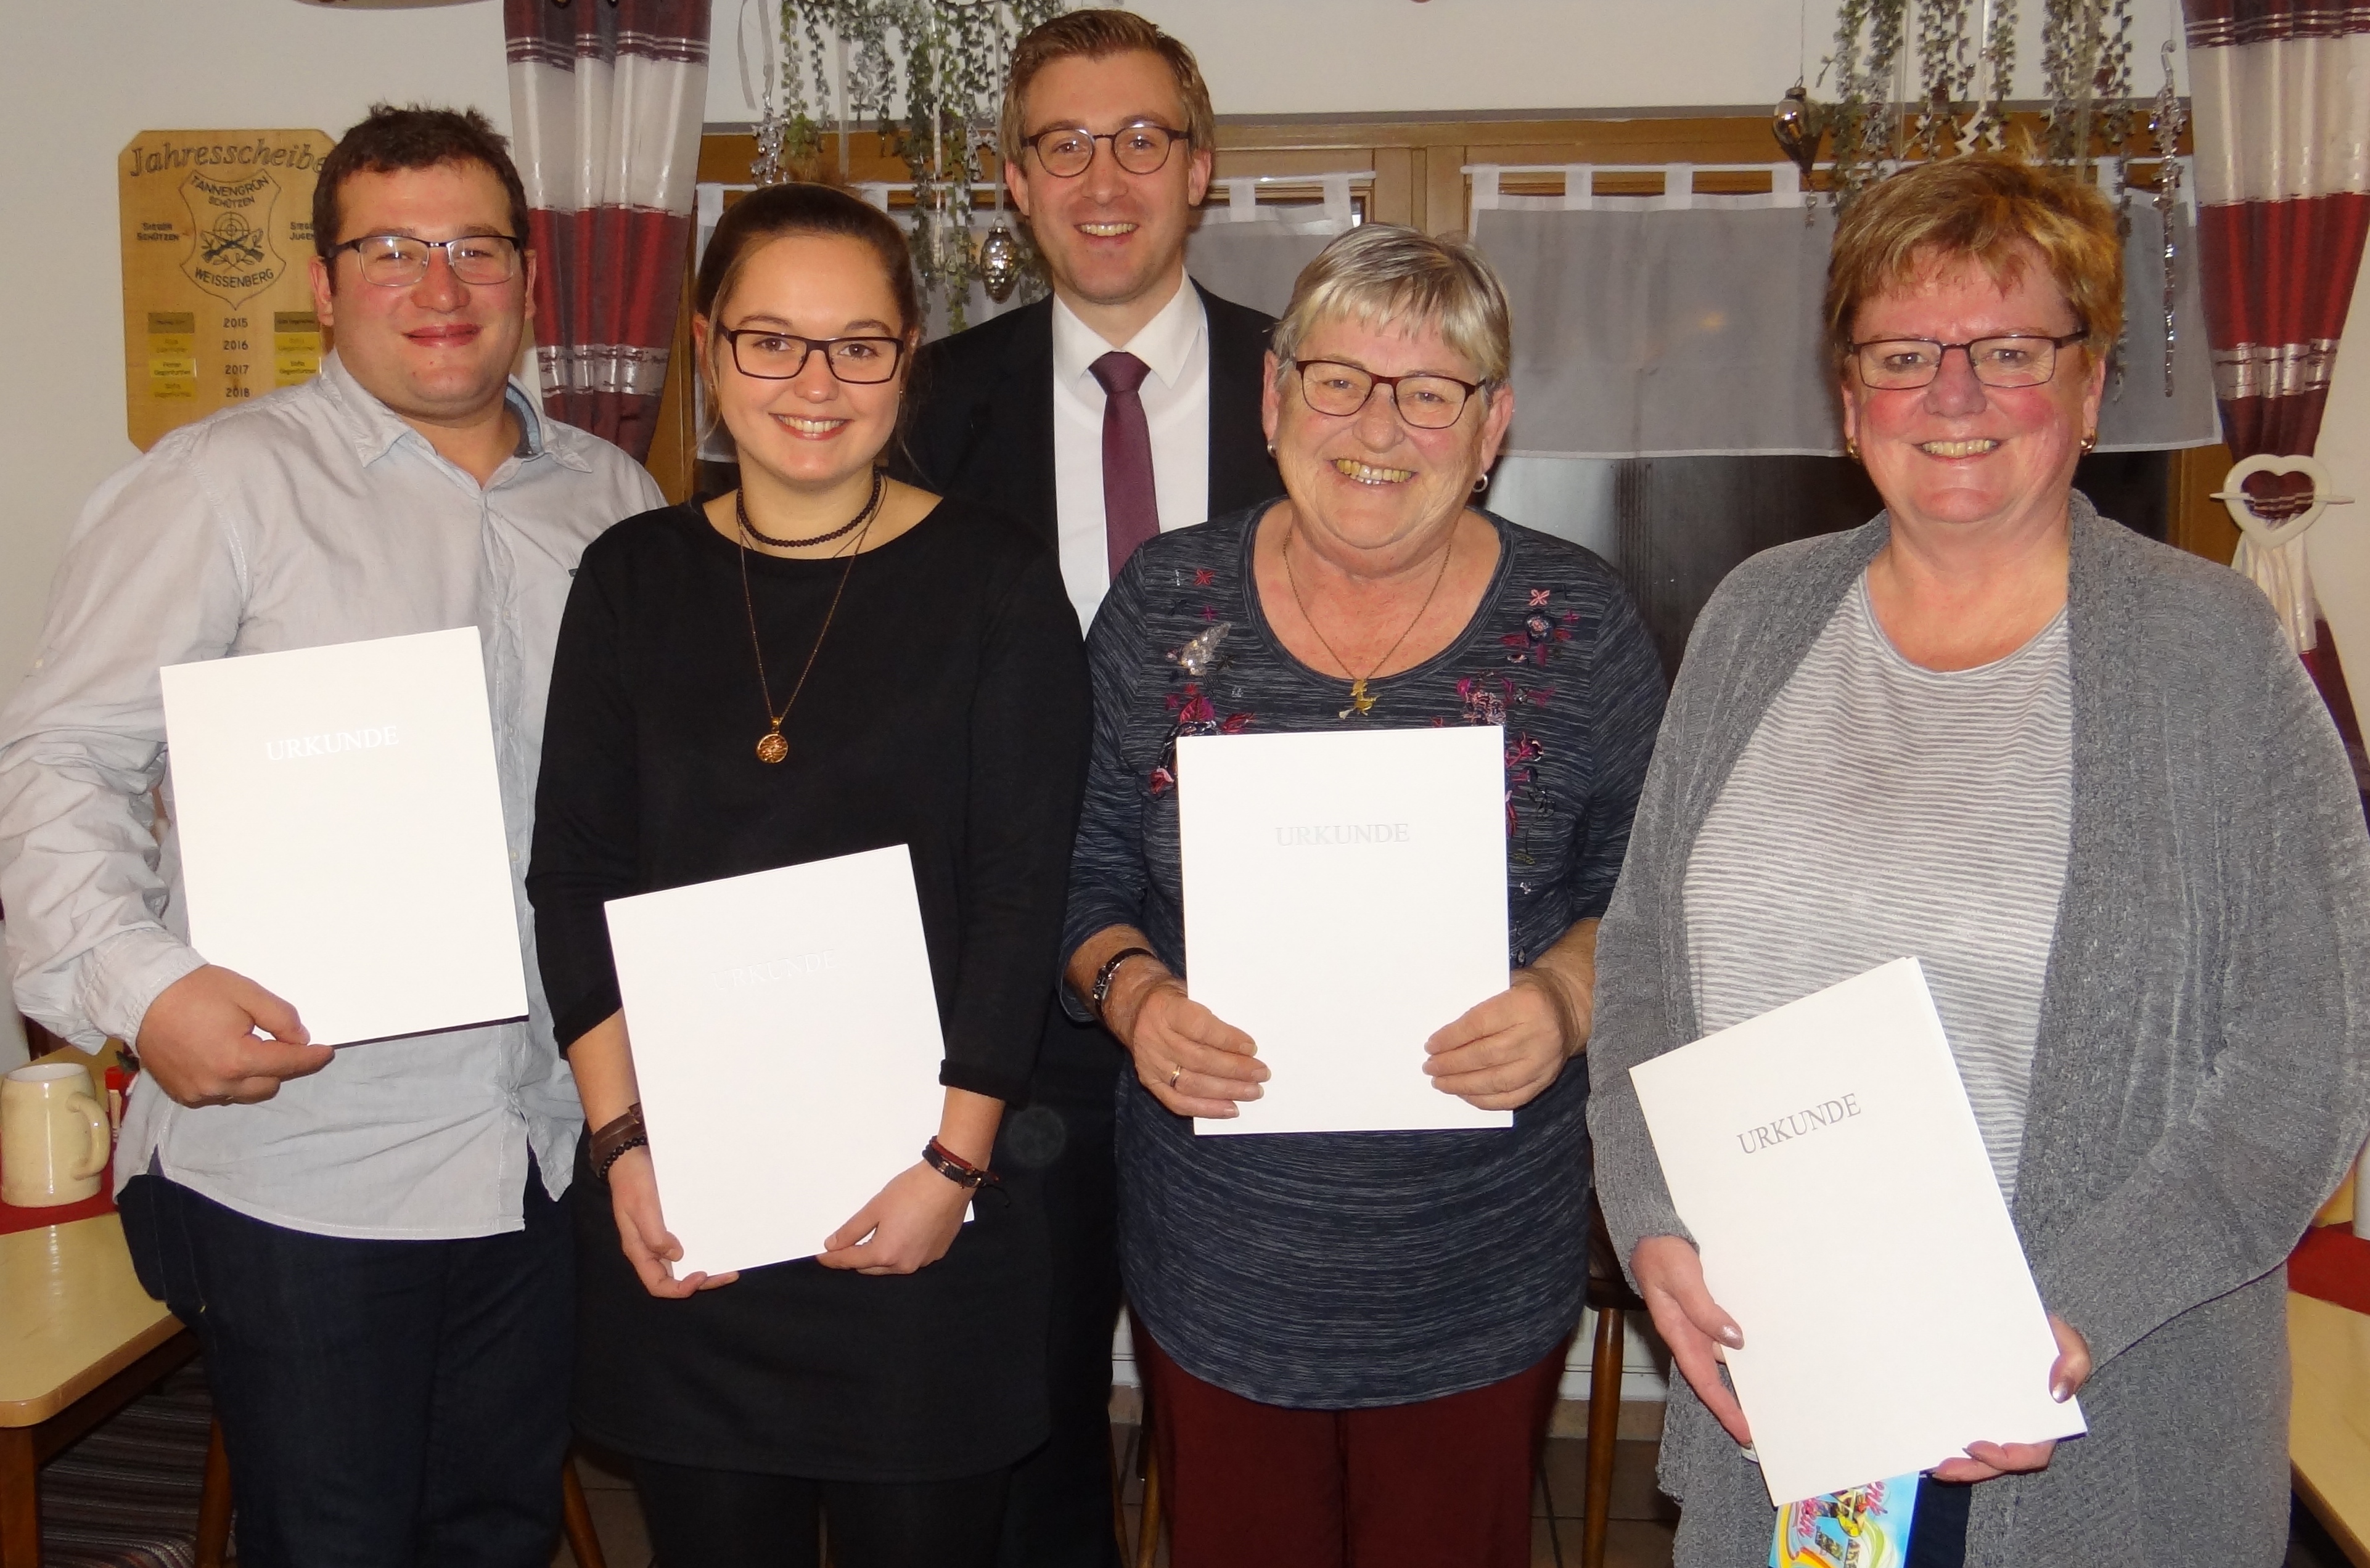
2266,533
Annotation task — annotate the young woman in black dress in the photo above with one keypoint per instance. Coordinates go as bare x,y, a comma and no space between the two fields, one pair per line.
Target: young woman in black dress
822,662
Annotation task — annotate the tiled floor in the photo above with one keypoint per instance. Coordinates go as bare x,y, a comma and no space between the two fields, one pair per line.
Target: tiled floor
1638,1536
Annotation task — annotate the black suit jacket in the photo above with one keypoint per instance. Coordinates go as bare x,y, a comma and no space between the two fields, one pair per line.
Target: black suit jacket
983,427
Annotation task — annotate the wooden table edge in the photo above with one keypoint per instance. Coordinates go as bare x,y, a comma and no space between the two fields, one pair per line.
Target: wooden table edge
33,1412
2355,1550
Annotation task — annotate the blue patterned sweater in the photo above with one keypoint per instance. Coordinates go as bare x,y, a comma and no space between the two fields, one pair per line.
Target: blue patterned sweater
1340,1271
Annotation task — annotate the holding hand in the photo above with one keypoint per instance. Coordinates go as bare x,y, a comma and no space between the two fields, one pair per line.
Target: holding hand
1670,1277
642,1234
198,1040
908,1226
1504,1053
1193,1062
2066,1376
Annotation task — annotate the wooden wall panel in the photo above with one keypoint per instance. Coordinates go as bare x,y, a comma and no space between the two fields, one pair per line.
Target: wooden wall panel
2199,524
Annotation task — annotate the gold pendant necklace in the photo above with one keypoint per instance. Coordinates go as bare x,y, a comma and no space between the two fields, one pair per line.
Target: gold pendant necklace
1362,702
771,746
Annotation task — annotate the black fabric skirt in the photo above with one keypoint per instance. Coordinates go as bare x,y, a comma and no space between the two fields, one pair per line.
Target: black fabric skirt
797,1369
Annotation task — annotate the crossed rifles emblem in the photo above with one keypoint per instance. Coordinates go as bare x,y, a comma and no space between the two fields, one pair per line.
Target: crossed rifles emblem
232,254
232,243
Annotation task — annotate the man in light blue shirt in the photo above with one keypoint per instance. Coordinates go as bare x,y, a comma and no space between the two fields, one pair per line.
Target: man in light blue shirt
371,1243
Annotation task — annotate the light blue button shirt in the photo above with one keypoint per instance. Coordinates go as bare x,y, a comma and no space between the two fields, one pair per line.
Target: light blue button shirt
312,516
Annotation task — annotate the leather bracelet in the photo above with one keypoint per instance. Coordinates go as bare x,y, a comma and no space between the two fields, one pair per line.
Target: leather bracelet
1110,971
957,1169
611,1141
601,1166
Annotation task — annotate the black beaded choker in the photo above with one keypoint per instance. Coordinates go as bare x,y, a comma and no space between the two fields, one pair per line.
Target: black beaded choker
879,489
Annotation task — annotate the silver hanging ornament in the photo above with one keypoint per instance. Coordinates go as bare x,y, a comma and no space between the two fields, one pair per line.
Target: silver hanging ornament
999,262
2171,117
1799,126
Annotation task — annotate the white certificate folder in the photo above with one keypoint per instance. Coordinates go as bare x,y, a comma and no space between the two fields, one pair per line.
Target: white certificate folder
341,836
785,1039
1829,1164
1345,897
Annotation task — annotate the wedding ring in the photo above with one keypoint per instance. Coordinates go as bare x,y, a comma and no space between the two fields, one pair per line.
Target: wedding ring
1175,1075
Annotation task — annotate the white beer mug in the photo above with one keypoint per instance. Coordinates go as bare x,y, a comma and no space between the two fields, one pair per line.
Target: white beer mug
54,1136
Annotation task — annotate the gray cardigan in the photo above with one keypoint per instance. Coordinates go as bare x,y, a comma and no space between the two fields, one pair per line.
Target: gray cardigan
2199,1081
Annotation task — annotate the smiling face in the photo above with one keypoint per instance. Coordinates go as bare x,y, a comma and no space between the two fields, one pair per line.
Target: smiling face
438,351
1370,480
812,430
1109,238
1956,452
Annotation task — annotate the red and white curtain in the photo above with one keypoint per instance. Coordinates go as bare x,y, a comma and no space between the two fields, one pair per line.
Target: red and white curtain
2281,90
607,102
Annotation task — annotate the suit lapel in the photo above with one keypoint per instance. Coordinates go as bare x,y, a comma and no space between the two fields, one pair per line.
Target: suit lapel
1241,473
1025,422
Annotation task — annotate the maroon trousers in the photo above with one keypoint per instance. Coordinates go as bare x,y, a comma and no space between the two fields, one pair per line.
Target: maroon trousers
1252,1485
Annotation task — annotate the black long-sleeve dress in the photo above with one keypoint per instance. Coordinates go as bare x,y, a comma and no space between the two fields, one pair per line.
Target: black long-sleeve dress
948,710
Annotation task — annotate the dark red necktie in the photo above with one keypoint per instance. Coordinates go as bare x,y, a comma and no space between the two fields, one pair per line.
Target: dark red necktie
1131,508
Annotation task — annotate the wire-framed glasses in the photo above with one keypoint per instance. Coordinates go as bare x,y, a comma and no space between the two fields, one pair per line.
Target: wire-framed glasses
397,262
1066,151
771,355
1425,399
2013,359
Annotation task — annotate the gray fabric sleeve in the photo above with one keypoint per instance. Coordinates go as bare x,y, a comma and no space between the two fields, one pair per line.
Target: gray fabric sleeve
2223,1196
1641,1010
154,576
1107,870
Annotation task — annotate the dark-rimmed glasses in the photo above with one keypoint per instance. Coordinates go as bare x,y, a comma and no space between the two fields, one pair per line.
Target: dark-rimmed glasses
1066,151
2012,359
768,355
397,262
1425,399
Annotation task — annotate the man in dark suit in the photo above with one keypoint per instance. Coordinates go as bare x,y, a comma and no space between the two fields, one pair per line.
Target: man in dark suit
1127,403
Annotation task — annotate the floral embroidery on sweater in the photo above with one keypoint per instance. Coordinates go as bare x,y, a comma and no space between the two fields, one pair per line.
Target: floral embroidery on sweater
1190,710
1493,698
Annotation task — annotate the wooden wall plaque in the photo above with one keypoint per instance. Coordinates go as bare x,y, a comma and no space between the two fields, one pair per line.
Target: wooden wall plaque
217,226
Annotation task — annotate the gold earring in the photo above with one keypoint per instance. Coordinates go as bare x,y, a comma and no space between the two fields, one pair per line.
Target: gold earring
1851,449
2090,444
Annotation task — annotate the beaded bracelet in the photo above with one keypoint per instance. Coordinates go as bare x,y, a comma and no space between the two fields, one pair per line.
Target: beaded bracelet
612,1138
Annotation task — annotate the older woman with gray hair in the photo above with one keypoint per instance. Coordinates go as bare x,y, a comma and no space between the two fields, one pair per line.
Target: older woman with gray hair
1353,1340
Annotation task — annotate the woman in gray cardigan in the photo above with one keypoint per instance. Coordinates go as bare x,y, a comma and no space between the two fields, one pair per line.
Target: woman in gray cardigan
2084,779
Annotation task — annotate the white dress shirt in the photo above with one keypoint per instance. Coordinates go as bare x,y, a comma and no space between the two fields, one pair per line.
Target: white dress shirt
310,515
1175,345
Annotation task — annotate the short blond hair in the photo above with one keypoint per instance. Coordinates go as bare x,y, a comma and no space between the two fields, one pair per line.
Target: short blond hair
1990,207
1097,35
1381,273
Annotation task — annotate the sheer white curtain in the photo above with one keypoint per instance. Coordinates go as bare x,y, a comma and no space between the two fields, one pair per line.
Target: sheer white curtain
1688,325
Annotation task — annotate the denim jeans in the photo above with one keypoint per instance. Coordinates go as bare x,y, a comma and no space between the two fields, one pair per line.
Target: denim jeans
1938,1534
384,1404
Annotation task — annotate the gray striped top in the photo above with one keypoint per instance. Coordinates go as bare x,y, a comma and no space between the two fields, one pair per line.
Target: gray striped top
1883,810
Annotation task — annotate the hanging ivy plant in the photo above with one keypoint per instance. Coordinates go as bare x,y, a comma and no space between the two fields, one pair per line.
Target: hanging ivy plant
1879,117
955,55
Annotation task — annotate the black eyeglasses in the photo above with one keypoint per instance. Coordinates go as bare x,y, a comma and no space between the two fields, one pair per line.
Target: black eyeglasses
2012,359
1066,151
769,355
397,262
1425,399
